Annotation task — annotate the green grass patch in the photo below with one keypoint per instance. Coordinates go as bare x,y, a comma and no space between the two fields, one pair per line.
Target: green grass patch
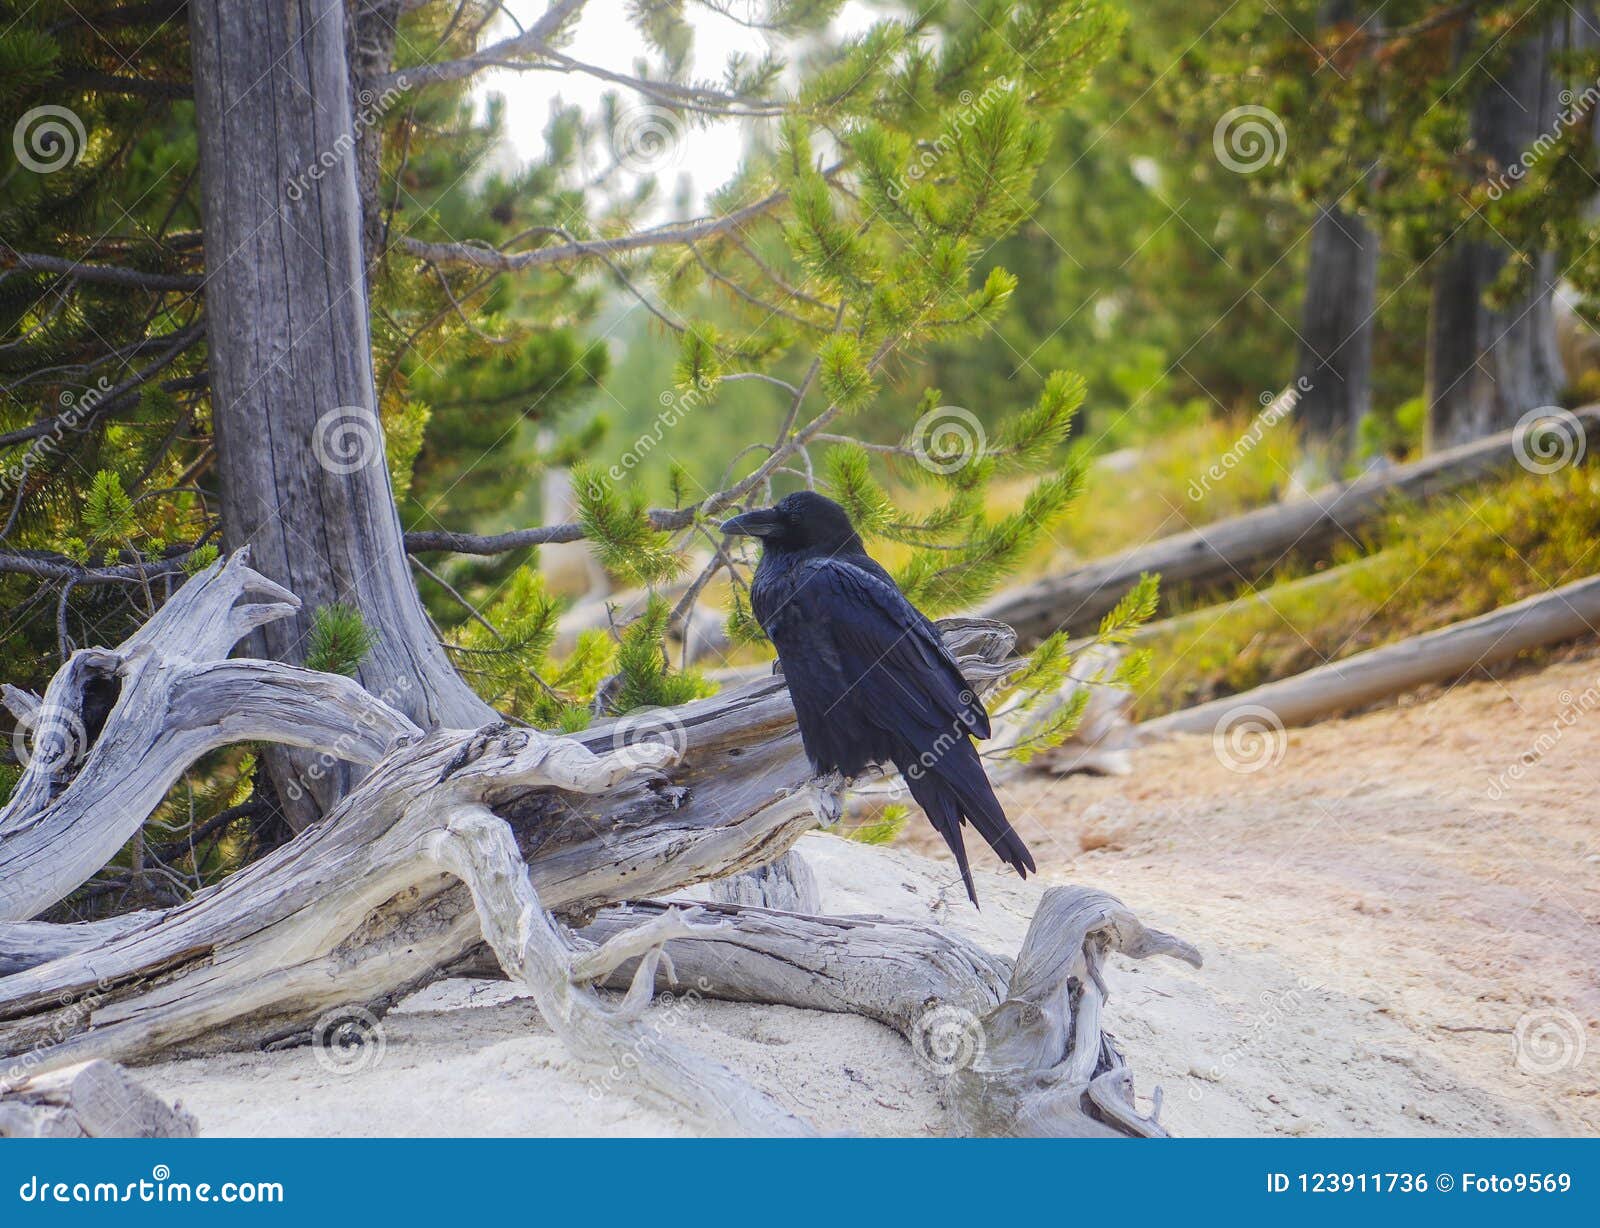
1421,567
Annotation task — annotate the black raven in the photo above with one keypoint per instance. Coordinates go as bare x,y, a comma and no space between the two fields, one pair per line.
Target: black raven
871,679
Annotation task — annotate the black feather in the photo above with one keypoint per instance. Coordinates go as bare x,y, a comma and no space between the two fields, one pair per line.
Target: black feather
870,677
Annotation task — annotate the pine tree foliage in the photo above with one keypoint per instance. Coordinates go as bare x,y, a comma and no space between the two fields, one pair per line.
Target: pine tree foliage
884,168
338,640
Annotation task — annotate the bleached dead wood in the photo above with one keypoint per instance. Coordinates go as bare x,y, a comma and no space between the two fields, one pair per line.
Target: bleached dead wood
165,697
91,1100
455,835
1245,547
1024,1043
1567,613
455,838
1044,1064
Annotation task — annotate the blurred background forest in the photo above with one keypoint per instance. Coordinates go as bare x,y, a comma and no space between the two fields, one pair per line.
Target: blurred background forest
1273,244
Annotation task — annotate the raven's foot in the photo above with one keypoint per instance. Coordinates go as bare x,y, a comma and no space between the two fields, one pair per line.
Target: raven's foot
827,797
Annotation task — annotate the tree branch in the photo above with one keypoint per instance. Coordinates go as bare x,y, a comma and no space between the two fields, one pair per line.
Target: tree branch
102,274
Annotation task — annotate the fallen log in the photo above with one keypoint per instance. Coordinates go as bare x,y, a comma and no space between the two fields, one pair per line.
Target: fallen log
91,1100
1020,1041
1566,613
455,838
1245,548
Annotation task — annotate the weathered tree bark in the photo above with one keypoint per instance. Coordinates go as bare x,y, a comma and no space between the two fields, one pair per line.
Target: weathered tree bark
1487,367
1246,547
92,1100
1021,1041
374,27
460,837
171,695
300,451
1334,372
1567,613
1334,376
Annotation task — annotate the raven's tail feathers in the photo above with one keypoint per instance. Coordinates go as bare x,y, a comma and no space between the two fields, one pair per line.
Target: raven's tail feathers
954,790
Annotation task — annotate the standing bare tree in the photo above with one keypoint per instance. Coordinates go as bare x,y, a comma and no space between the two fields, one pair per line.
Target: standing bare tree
1338,314
1487,366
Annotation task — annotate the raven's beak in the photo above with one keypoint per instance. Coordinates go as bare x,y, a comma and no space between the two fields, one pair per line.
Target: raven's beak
763,522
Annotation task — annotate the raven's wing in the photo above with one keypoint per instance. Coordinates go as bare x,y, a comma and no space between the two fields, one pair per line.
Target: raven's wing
872,681
866,670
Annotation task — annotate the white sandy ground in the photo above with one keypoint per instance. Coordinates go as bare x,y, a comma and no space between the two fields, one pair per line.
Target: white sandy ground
1375,930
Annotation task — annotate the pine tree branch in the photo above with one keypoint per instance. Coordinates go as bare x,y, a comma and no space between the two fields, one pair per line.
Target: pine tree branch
43,565
100,274
142,87
525,43
673,233
113,399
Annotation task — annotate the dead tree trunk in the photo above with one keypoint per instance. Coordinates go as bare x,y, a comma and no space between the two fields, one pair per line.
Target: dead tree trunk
1488,367
1334,374
1335,369
301,460
500,835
